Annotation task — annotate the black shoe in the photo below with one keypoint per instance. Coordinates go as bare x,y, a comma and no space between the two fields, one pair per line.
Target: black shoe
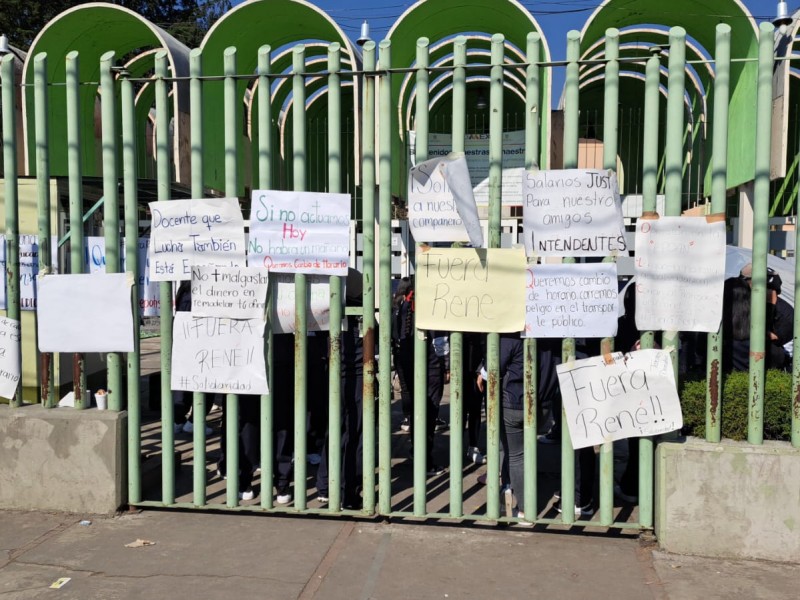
441,425
549,438
405,426
435,470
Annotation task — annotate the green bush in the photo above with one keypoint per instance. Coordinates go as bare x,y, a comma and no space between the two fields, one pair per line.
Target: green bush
777,406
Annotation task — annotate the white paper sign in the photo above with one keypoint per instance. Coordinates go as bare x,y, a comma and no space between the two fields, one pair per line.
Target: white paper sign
476,150
10,339
232,292
441,207
680,273
85,313
149,292
206,231
318,303
218,355
572,212
572,300
619,396
300,232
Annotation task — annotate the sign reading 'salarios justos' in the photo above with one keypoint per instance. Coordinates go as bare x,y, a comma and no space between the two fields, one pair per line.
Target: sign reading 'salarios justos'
300,232
572,212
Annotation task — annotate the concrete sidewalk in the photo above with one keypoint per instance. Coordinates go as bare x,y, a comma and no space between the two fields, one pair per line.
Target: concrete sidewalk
222,555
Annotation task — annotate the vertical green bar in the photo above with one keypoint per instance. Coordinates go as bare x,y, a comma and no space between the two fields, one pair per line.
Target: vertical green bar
571,114
75,176
199,475
420,348
610,144
265,183
674,152
493,339
457,338
108,107
530,425
335,358
300,284
385,284
163,186
48,395
650,160
758,299
368,256
231,190
719,176
8,80
131,201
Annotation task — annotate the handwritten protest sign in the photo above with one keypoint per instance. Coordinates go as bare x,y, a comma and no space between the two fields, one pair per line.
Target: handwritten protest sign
149,292
680,273
300,232
232,292
10,338
467,289
619,396
218,355
85,313
441,207
318,303
572,212
476,150
206,231
572,300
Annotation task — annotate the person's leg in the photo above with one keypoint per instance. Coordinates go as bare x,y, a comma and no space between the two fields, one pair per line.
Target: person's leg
284,443
249,440
352,399
513,448
585,470
434,397
183,404
404,365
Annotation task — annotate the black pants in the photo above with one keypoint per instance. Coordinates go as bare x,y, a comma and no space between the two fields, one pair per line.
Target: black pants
249,439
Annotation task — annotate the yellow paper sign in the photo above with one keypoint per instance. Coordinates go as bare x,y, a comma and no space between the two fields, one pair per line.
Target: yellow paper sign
467,289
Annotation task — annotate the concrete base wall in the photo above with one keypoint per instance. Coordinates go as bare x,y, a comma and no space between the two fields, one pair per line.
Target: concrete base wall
729,500
62,459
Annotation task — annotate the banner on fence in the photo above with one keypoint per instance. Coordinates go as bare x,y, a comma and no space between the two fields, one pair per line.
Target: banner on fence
680,273
184,233
467,289
229,292
441,207
572,300
300,232
215,355
10,338
619,396
318,303
572,212
85,313
476,151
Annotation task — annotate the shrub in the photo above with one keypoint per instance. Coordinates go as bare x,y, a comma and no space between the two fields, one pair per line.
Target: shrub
777,406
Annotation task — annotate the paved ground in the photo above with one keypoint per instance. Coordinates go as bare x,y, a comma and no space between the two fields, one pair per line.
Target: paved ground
211,556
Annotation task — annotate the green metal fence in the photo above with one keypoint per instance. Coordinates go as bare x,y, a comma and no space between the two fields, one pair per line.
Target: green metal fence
119,151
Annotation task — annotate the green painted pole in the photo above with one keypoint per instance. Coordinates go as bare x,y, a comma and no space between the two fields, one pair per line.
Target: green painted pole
131,204
719,176
650,161
385,284
530,424
163,190
674,151
8,79
758,298
265,159
300,283
610,144
111,222
457,338
495,213
75,187
571,115
421,119
335,360
42,109
368,297
199,473
231,190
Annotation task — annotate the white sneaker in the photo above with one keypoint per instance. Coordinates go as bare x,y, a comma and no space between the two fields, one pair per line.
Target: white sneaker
475,455
517,513
284,498
247,495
